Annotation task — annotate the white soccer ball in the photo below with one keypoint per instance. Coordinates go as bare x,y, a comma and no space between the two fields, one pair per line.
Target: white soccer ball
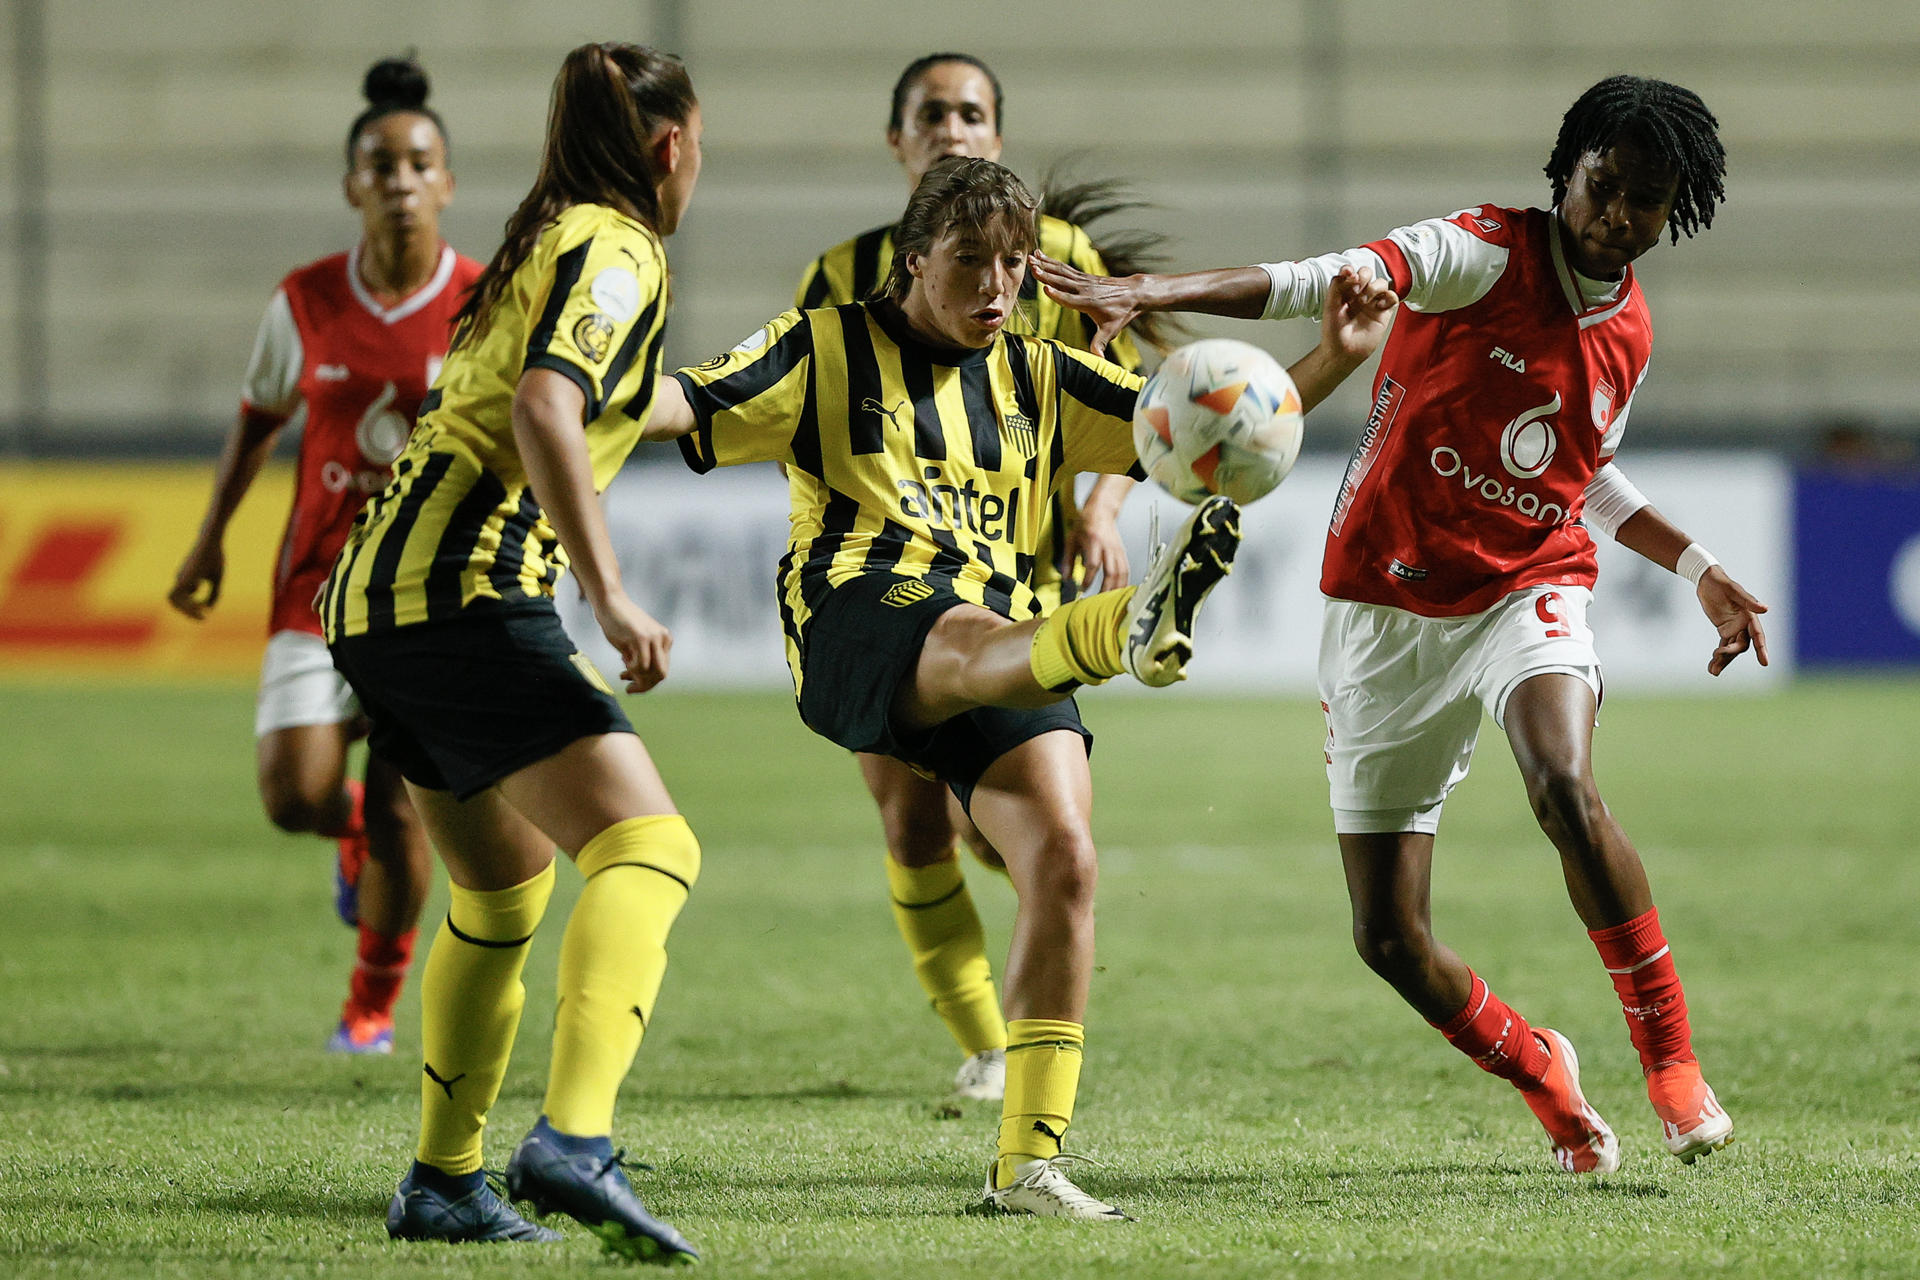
1219,416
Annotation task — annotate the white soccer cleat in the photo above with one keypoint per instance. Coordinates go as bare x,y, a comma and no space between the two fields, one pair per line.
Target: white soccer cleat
1691,1119
1043,1189
1161,615
982,1077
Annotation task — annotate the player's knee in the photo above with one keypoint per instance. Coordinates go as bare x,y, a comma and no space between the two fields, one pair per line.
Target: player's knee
1067,871
915,836
1567,806
291,807
1391,951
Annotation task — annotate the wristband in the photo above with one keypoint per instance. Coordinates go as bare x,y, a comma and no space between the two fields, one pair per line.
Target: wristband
1694,563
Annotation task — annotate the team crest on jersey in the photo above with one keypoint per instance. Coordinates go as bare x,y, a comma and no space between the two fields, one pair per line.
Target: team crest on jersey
593,335
1020,430
1602,405
902,594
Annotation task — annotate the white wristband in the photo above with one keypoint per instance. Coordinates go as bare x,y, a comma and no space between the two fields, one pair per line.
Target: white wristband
1694,562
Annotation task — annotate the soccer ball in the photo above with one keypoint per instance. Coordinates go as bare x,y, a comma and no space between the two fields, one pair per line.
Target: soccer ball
1219,416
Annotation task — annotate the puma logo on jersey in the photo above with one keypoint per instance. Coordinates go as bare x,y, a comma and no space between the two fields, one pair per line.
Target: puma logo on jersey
870,405
332,373
1516,363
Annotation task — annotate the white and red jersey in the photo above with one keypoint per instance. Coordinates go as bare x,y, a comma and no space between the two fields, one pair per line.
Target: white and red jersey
1503,390
349,373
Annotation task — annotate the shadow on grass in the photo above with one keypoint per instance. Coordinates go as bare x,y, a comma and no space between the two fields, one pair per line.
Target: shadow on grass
320,1204
826,1091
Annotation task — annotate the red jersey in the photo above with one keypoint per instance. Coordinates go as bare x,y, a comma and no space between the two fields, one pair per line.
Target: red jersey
350,374
1494,407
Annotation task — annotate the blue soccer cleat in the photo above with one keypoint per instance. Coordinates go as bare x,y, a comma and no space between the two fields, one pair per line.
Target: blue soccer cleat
431,1205
585,1179
362,1033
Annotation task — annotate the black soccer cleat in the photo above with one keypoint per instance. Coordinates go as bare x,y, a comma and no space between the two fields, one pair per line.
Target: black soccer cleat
585,1179
1161,616
431,1205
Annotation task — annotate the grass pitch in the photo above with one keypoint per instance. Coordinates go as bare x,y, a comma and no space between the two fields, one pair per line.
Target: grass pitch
1263,1104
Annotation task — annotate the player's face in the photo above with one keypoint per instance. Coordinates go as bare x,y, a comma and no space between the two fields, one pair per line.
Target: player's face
947,112
399,181
964,287
677,155
1615,209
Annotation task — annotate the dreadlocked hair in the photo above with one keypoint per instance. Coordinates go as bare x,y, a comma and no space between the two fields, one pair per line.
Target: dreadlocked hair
1664,119
608,101
1125,250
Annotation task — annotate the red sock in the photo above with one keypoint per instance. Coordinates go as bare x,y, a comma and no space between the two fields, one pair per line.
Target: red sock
1493,1035
356,823
380,968
1641,967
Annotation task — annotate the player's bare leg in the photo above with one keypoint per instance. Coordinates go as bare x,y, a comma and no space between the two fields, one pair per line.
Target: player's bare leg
302,774
1389,881
937,919
1035,803
1549,721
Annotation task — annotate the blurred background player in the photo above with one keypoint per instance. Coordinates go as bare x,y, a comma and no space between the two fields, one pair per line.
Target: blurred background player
346,353
920,449
440,613
949,104
1459,567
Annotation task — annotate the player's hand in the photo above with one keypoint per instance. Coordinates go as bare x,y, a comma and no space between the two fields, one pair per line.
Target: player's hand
642,643
1735,613
196,586
1107,300
1358,313
1094,551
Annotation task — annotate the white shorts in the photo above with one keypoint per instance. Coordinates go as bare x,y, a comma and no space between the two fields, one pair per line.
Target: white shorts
298,685
1403,695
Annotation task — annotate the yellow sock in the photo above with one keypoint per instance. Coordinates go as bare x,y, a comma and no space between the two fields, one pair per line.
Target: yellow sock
1043,1074
612,959
470,999
942,930
1082,641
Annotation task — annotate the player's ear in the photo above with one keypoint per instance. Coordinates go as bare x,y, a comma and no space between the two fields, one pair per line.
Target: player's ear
666,148
348,190
915,265
893,145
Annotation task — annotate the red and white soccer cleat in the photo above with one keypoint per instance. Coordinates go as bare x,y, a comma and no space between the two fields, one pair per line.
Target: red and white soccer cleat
1582,1142
1691,1118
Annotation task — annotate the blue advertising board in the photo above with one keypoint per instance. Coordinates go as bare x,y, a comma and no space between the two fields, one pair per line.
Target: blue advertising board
1857,565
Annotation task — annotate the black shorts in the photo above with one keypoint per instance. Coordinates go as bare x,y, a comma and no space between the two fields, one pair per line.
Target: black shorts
459,705
861,642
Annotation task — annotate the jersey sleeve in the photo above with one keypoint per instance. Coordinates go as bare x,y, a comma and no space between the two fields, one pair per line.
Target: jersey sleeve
1617,428
814,287
747,402
605,296
1096,413
272,383
1439,264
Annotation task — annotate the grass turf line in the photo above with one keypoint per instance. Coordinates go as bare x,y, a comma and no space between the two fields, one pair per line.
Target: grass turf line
1263,1104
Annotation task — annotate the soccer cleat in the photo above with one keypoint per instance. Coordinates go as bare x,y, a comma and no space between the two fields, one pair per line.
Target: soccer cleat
351,859
1042,1188
1582,1142
983,1076
1691,1118
1161,615
585,1179
431,1205
362,1033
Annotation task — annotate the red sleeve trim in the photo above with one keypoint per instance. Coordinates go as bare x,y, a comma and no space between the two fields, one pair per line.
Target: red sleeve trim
1396,262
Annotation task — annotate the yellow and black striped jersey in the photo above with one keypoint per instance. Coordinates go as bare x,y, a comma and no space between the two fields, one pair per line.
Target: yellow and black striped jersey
904,459
851,271
457,527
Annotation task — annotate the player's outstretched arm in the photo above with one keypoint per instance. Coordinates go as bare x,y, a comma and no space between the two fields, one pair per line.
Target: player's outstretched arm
1354,323
1113,302
1733,610
547,413
196,584
672,417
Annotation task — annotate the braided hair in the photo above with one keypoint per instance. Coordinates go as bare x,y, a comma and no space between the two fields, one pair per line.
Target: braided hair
1669,122
393,85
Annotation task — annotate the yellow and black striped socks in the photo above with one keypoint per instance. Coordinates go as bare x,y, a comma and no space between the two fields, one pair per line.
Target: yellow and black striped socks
941,928
470,1000
1081,642
1043,1075
638,874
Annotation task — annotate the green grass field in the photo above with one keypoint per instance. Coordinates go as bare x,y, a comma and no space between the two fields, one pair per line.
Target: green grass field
1263,1104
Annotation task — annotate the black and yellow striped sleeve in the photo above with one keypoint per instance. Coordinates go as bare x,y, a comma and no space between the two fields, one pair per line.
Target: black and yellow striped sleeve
815,288
603,300
1096,412
749,401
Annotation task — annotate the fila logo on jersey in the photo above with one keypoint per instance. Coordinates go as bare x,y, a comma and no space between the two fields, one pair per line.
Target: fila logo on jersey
332,373
1516,363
